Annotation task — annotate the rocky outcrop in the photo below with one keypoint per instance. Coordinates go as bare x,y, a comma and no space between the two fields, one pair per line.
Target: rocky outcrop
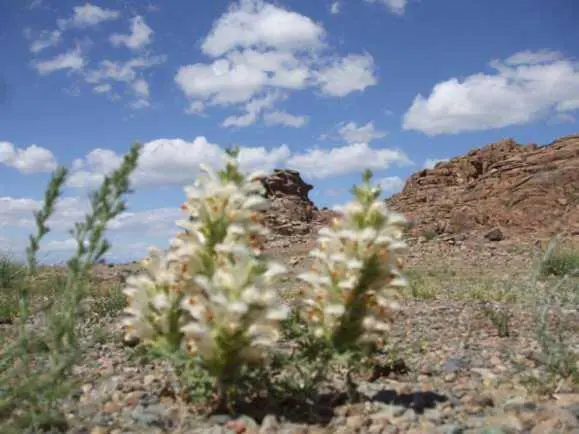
291,211
521,188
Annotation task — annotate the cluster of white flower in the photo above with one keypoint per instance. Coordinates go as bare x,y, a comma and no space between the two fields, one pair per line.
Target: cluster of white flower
212,292
215,295
356,276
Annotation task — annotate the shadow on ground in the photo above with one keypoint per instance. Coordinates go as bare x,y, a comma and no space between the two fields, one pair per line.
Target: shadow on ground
322,410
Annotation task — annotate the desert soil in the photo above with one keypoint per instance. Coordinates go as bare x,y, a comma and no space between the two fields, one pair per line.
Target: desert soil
445,369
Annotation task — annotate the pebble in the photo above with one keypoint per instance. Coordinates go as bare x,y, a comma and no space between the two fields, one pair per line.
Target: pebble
450,429
355,422
269,425
112,407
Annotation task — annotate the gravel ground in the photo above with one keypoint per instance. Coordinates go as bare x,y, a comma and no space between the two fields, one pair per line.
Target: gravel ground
446,368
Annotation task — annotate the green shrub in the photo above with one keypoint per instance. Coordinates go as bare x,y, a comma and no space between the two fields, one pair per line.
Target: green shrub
561,263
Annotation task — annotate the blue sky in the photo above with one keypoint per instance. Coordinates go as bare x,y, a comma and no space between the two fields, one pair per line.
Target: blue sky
324,87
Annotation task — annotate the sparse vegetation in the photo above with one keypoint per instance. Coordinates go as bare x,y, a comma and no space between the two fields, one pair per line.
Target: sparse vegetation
561,263
500,319
228,342
32,382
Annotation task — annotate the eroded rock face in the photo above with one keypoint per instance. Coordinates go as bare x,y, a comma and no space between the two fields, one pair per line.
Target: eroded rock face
520,188
286,182
291,211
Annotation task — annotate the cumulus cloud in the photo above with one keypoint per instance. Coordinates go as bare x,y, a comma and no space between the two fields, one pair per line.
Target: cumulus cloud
284,118
335,8
395,6
158,221
13,211
257,47
165,162
254,23
253,110
140,36
18,212
127,73
526,87
88,15
45,40
346,75
71,60
529,57
27,160
107,72
102,88
171,162
346,159
353,133
390,184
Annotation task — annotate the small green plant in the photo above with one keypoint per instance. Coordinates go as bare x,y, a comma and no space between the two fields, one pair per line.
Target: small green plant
561,263
11,274
429,234
553,332
418,287
500,317
33,381
110,303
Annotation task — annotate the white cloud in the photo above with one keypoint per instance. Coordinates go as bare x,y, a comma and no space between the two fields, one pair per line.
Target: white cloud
18,212
335,8
141,89
390,184
364,133
349,74
254,23
46,40
88,15
529,57
258,47
127,72
122,71
72,60
323,163
429,163
395,6
223,82
103,88
13,211
528,86
284,118
196,107
171,162
107,71
27,160
35,4
90,171
253,110
141,35
66,245
158,221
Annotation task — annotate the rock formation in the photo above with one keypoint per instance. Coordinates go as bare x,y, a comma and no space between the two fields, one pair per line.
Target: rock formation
523,189
291,211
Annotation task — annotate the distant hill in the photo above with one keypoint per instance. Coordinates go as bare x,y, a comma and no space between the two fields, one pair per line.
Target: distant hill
523,189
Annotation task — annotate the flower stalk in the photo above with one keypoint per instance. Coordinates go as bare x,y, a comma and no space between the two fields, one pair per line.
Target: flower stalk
213,293
356,277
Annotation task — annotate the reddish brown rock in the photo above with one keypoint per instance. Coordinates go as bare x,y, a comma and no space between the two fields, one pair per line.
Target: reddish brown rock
291,211
524,189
